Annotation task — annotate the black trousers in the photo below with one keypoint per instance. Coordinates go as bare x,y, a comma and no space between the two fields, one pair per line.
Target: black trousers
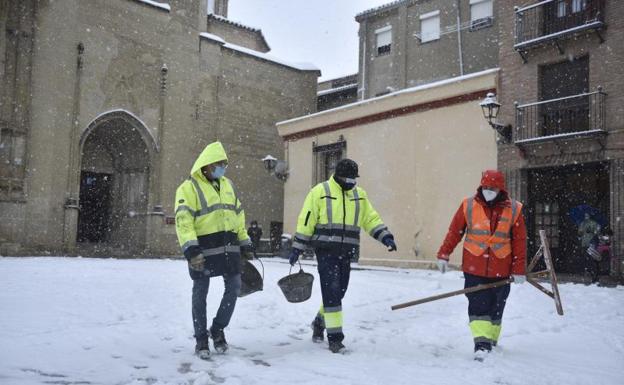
334,267
232,284
485,310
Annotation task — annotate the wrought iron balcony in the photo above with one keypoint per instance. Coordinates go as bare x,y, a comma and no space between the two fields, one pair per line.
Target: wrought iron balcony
571,116
554,19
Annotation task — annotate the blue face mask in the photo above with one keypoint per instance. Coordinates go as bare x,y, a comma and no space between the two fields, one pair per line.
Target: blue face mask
218,172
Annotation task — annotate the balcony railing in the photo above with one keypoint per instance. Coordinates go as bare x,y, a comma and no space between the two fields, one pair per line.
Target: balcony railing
553,19
571,116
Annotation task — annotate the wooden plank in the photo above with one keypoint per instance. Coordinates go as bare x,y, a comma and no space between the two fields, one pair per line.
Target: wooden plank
550,267
453,293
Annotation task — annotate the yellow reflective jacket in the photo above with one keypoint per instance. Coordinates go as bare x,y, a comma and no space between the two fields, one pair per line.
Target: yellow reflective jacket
209,218
332,217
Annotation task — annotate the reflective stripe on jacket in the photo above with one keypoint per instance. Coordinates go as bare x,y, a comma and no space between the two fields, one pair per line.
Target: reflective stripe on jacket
210,219
479,238
486,265
331,217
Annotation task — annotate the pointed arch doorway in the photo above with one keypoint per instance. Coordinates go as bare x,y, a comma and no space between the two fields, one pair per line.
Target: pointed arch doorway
116,153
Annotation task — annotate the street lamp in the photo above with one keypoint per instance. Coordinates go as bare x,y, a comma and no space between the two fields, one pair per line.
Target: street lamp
276,167
490,107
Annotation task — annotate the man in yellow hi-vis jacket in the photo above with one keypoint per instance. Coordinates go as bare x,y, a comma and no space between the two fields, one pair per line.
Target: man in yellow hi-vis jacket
330,221
210,224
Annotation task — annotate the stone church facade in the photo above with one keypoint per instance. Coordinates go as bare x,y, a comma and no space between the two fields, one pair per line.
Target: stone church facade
104,106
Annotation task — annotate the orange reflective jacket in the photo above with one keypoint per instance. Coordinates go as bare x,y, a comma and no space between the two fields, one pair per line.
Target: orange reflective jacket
478,235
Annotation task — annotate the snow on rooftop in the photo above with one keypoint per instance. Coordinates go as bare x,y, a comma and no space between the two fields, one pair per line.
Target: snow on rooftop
156,4
336,89
379,8
264,56
421,87
211,36
260,55
233,22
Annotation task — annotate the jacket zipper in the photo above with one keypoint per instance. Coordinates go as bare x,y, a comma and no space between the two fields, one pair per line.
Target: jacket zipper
344,215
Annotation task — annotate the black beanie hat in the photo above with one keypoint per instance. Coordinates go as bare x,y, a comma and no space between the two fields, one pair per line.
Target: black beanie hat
347,168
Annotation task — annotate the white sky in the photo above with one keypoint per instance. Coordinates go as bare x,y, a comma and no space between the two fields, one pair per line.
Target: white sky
321,32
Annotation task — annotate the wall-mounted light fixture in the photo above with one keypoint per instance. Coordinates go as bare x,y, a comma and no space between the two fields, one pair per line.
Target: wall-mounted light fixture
490,107
276,167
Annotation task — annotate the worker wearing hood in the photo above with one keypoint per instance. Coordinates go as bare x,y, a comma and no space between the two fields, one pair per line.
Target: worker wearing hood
210,225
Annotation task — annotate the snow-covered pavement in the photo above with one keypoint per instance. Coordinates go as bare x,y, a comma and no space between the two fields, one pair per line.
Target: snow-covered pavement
106,321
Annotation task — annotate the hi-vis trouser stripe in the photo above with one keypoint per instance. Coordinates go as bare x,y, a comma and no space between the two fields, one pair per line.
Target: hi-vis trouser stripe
484,329
332,317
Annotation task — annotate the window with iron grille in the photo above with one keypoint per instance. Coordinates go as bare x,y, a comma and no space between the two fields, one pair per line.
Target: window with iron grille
383,37
547,218
326,158
481,13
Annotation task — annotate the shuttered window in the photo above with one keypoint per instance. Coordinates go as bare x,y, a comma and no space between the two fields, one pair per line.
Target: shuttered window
481,9
383,38
430,26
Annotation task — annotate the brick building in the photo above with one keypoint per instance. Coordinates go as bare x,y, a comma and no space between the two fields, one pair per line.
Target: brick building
407,43
104,106
562,92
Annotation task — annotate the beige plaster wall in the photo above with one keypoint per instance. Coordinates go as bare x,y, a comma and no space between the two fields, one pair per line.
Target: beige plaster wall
416,168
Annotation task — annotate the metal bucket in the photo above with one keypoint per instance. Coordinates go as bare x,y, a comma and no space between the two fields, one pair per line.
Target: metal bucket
297,287
251,280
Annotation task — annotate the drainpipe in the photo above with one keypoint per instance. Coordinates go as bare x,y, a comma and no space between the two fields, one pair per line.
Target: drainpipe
459,39
363,89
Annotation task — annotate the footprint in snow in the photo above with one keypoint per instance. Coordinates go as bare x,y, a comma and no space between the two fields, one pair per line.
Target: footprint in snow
185,367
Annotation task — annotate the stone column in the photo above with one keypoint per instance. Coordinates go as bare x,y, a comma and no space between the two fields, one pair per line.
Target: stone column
72,190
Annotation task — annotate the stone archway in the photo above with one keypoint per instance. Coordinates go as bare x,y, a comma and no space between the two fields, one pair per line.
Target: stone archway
116,156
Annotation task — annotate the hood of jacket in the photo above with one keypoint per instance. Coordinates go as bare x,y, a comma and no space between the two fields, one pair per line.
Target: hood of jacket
214,152
493,178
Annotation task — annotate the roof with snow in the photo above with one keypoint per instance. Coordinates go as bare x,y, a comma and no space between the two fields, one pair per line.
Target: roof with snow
336,89
232,22
256,31
156,4
259,55
381,8
410,90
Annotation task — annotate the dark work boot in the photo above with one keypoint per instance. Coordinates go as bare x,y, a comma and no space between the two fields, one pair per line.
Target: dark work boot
318,330
202,350
481,350
337,347
218,338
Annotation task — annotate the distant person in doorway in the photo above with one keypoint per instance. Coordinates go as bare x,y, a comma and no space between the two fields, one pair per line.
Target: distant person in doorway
255,233
588,231
210,224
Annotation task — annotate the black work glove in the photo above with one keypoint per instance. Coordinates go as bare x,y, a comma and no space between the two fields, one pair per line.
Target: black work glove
388,241
197,262
293,257
248,251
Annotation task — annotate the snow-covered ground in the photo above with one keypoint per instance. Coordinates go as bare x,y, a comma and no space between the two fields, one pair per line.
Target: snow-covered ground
106,321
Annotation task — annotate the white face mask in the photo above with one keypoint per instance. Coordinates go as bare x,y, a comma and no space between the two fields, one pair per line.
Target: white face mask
489,195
